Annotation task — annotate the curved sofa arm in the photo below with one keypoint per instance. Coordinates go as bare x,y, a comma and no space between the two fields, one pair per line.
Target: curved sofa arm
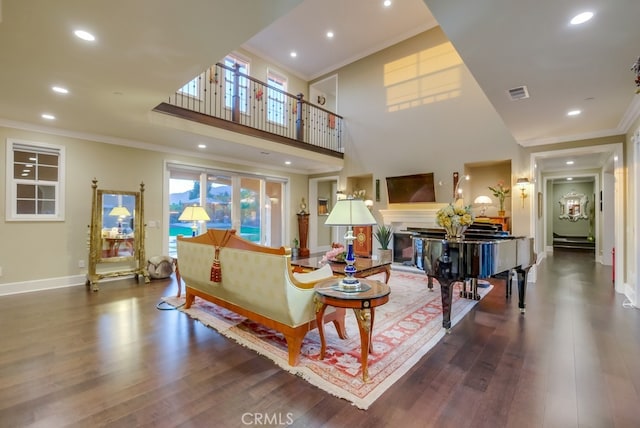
309,279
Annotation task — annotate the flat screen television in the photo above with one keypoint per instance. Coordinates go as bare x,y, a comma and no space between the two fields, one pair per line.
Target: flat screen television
411,188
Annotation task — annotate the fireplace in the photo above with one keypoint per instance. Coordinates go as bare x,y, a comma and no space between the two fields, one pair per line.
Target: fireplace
404,216
403,248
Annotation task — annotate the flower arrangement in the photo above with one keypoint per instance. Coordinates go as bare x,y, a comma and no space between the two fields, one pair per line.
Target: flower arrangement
455,218
335,254
500,192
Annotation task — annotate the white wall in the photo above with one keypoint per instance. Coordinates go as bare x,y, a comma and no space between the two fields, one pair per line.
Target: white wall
51,251
407,112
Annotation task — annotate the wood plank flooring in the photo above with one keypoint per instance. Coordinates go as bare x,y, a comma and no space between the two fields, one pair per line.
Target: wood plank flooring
72,357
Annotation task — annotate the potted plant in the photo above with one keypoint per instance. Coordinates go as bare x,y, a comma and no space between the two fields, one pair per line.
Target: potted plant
383,235
501,193
295,249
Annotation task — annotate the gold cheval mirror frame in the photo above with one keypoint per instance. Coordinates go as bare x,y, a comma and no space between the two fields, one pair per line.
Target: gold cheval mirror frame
116,242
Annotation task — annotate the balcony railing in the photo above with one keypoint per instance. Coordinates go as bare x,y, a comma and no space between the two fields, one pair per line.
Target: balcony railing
224,93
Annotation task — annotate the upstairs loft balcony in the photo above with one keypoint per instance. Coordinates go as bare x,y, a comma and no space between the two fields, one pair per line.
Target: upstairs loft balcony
225,98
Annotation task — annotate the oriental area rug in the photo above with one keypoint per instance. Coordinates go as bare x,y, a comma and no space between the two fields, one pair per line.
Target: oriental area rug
405,329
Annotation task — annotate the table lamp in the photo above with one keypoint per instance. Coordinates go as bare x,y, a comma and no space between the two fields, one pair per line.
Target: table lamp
483,201
120,212
350,212
195,214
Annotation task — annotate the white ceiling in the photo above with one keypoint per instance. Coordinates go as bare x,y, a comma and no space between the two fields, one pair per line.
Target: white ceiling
148,48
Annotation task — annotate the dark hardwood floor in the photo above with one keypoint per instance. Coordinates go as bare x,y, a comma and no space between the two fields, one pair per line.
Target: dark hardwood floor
72,357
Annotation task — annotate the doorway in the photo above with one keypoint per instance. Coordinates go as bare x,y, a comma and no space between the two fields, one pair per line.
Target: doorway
547,166
322,197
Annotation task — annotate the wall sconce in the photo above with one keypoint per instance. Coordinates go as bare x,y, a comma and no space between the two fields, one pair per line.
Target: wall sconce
523,183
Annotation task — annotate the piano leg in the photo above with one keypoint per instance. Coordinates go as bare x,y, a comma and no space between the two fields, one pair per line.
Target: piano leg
472,293
430,283
522,286
446,293
509,282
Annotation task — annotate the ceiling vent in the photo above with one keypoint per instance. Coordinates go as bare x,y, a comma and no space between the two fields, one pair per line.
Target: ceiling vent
519,93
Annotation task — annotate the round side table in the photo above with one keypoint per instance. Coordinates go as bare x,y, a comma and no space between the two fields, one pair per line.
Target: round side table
363,303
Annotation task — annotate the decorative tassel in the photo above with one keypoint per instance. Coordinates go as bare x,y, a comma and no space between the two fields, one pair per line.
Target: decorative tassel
216,270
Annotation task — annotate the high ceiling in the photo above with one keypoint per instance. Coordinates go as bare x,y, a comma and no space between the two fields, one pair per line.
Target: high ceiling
147,49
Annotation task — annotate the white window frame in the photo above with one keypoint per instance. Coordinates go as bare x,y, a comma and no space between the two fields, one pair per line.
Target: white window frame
12,183
244,101
191,88
276,98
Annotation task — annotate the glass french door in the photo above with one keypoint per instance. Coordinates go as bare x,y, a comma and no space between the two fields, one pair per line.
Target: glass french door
251,205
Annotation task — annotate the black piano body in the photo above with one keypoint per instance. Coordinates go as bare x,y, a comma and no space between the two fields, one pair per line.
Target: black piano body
484,252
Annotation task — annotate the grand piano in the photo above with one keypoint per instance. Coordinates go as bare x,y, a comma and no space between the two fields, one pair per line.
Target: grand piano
485,251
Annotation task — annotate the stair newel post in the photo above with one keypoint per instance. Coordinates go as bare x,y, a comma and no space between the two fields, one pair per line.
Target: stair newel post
235,112
299,120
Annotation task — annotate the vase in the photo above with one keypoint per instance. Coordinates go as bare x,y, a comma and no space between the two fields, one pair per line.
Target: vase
502,213
455,232
385,255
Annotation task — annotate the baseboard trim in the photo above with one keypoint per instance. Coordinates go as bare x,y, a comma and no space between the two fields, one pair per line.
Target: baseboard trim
41,284
630,294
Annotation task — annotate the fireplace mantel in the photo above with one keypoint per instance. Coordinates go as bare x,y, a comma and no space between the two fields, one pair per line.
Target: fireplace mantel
411,215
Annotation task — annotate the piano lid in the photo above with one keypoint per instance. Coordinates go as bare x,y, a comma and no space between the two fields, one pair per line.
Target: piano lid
476,231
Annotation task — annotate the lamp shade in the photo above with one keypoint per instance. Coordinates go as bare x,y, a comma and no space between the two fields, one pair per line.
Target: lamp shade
482,200
194,213
523,182
119,211
350,212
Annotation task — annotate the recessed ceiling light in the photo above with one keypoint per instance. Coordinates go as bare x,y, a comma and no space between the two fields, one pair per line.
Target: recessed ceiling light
293,54
574,112
569,178
569,162
84,35
386,3
287,162
329,34
202,146
48,116
60,89
581,18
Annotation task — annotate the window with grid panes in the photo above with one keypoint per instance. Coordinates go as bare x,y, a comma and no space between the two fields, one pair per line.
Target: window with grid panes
35,181
277,86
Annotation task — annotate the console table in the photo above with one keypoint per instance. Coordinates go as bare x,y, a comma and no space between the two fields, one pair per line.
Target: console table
504,221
